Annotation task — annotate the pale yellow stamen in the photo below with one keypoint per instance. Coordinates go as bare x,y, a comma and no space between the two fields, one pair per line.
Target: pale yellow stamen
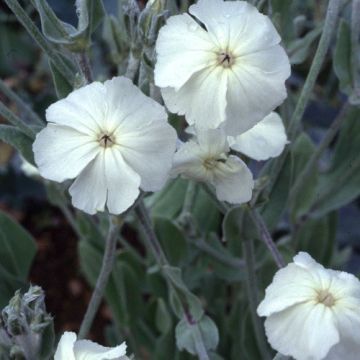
326,298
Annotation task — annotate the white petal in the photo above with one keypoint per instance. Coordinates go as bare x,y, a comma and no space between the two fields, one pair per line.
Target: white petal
188,161
212,142
61,152
304,260
89,191
122,182
83,109
304,331
348,322
233,181
226,21
88,350
265,140
291,285
129,108
182,45
202,99
65,348
255,88
149,150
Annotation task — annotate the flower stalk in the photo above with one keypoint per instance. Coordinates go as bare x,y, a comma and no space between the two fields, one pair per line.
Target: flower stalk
16,121
266,237
355,46
35,33
11,95
310,165
106,268
331,19
252,291
154,245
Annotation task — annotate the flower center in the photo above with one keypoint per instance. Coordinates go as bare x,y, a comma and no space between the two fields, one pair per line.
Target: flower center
326,298
106,140
212,163
225,59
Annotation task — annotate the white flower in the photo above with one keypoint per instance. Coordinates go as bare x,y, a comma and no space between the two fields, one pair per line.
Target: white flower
230,70
313,313
112,138
206,158
265,140
71,349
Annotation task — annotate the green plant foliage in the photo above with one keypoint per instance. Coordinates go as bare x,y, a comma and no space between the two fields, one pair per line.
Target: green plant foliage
16,138
17,251
342,57
341,183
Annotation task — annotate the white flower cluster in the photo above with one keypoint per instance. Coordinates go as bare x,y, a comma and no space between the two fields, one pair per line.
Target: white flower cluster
225,75
225,72
69,348
313,313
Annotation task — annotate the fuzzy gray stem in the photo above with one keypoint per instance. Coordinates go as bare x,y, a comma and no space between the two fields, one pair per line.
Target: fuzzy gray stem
252,291
106,268
16,121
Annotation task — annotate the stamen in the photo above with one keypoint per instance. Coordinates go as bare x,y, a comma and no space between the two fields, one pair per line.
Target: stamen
106,141
225,59
326,298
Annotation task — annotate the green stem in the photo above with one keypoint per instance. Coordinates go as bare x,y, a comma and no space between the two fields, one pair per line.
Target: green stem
11,95
199,345
154,245
266,237
310,165
324,43
232,262
40,39
133,67
223,208
189,202
16,121
306,92
70,218
353,169
252,291
149,234
106,268
355,46
84,64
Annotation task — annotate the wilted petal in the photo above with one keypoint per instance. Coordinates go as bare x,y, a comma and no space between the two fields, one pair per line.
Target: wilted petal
88,350
265,140
65,348
233,181
61,152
